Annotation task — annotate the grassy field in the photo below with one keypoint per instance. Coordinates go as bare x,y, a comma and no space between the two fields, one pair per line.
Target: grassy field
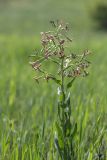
27,110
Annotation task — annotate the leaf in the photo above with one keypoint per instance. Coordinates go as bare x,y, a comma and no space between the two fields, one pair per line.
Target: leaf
68,105
61,98
43,129
55,80
60,135
101,134
69,85
68,100
12,92
74,131
58,147
90,155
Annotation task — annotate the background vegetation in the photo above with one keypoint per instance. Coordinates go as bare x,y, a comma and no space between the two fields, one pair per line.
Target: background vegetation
28,110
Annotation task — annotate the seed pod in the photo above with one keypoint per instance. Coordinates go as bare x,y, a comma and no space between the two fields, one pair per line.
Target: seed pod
36,65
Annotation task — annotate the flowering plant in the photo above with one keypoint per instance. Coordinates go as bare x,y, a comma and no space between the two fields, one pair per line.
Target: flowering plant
69,66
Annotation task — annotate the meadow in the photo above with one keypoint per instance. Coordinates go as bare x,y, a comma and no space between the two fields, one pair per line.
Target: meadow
27,110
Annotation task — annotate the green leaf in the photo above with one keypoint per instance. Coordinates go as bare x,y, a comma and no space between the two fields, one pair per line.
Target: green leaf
69,85
61,97
73,133
58,147
60,135
101,134
68,105
90,156
68,100
56,80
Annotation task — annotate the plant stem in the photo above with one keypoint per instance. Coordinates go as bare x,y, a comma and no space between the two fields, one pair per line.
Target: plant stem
62,80
63,105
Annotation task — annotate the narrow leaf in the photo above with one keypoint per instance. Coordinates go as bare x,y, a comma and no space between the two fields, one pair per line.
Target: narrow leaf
56,80
74,131
58,147
69,85
60,135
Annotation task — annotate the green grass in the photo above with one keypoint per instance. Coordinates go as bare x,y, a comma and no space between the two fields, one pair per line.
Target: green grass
27,110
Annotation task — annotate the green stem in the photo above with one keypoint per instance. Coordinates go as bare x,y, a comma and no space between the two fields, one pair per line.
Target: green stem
63,105
62,80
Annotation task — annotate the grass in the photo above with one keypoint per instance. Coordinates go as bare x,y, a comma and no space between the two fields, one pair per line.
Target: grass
28,110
